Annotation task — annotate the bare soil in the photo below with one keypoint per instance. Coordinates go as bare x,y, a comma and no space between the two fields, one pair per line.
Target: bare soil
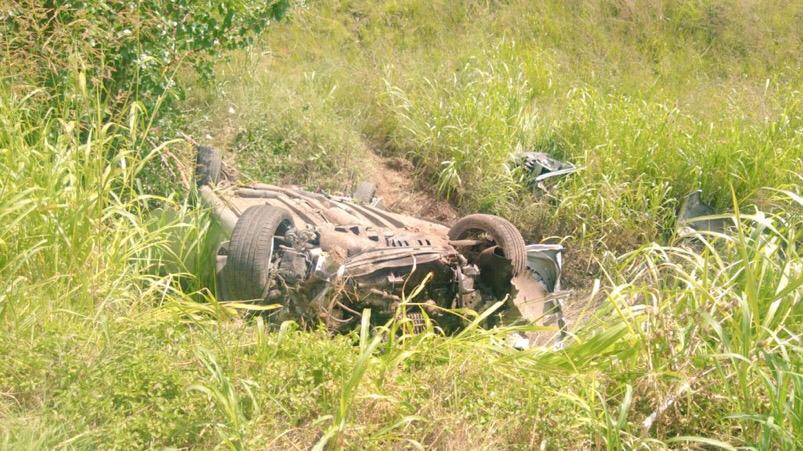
396,184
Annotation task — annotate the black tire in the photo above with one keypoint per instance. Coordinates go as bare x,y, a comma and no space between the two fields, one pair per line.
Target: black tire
246,275
208,166
365,192
505,234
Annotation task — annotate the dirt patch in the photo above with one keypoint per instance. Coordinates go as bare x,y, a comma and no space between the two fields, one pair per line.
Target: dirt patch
396,185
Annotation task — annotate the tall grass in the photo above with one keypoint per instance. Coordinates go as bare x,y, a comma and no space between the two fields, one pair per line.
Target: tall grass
66,196
83,258
464,131
726,324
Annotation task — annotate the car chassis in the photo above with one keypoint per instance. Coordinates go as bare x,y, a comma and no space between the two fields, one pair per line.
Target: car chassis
325,258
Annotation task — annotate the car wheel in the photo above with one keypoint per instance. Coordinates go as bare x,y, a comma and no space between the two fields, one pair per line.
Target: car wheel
498,230
365,192
208,166
246,275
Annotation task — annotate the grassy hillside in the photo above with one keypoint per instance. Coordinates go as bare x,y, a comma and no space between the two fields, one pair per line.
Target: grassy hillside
652,101
109,337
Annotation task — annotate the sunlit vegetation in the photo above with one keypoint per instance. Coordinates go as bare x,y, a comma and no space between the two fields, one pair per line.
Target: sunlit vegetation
111,338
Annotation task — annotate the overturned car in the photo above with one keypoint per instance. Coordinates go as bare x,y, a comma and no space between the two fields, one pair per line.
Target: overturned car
325,258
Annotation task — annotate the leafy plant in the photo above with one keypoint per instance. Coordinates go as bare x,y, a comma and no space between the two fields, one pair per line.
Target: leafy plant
130,49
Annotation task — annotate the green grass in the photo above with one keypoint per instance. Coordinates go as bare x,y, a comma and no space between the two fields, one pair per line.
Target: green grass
109,337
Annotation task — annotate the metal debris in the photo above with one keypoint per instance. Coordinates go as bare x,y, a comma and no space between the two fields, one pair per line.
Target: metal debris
541,167
699,216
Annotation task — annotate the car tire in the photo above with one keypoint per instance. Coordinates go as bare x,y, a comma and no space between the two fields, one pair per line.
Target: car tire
505,234
365,192
208,166
246,275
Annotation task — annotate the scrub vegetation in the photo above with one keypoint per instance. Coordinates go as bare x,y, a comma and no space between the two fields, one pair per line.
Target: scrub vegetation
111,338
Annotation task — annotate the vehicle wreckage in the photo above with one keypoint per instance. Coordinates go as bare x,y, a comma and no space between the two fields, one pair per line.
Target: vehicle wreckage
325,258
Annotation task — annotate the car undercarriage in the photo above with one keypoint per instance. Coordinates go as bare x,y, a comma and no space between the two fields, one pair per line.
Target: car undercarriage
323,258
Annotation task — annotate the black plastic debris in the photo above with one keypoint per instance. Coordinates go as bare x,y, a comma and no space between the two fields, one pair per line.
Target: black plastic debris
696,214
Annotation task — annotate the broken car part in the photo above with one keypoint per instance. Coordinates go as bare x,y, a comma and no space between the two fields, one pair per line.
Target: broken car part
540,166
697,215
